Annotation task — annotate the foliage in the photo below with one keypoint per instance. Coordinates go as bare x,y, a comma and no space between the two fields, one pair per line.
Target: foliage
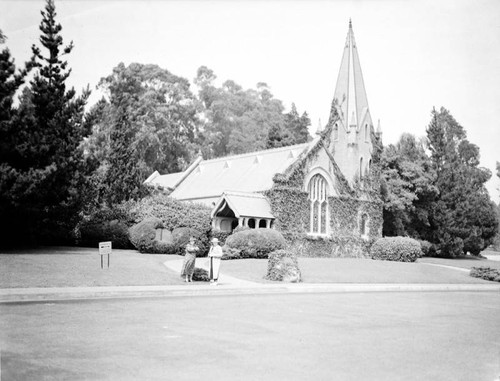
200,275
238,120
143,237
104,225
401,249
42,172
220,235
173,213
293,131
463,218
256,243
408,188
283,266
149,124
181,239
486,273
428,249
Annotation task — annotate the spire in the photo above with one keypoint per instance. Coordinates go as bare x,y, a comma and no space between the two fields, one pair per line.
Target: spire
379,129
350,89
320,128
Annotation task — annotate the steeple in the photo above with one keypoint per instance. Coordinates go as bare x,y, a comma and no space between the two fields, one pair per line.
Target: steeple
350,89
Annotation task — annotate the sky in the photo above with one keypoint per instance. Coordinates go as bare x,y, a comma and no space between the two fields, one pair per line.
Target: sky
414,54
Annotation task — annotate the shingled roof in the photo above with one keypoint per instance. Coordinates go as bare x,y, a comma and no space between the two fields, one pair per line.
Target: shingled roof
251,172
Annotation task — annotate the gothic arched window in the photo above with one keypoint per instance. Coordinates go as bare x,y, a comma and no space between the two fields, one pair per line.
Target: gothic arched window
318,198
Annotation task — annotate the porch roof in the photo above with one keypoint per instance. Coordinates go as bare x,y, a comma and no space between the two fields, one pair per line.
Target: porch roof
244,205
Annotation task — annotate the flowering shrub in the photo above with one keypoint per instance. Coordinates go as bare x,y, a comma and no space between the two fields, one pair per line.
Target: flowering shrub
401,249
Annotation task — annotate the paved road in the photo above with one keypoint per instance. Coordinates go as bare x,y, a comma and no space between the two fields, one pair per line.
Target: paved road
354,336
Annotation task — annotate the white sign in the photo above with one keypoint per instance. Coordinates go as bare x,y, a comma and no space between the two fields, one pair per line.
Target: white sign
105,248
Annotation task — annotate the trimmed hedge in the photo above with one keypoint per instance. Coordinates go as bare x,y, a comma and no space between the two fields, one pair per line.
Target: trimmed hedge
253,243
283,266
401,249
486,273
200,275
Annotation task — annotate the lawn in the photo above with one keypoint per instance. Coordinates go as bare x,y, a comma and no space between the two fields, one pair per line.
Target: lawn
78,267
347,270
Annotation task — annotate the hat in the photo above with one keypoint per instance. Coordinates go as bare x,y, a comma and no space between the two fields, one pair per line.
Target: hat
214,240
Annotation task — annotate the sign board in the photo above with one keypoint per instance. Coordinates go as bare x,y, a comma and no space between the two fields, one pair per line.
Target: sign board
105,248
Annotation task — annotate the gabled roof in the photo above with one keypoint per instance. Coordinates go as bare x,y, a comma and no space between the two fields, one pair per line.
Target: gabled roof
244,205
251,172
350,90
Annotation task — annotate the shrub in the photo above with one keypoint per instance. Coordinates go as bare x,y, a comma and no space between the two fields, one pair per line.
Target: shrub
143,237
240,229
428,249
181,238
221,236
485,273
401,249
256,243
104,225
230,253
173,213
200,275
283,266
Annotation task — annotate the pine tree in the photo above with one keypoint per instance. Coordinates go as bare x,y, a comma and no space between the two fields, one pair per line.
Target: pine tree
463,218
46,168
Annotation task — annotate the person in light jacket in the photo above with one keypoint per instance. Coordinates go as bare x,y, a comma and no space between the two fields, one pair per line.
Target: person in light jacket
214,257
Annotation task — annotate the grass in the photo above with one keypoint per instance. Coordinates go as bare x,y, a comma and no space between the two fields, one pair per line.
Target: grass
347,270
81,267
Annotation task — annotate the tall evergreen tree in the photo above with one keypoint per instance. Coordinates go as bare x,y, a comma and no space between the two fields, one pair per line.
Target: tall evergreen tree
463,218
46,167
409,190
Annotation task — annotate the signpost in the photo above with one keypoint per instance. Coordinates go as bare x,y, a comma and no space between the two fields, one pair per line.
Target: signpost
104,248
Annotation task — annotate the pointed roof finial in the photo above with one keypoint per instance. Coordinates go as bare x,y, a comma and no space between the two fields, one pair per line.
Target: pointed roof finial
379,129
319,129
350,23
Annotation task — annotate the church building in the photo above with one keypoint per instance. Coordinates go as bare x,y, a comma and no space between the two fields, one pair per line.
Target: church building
322,195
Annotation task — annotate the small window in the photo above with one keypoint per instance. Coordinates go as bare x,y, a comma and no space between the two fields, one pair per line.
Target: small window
262,223
336,132
361,168
363,225
366,133
251,223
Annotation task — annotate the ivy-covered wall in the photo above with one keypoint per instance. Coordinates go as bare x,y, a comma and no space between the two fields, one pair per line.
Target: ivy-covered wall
291,207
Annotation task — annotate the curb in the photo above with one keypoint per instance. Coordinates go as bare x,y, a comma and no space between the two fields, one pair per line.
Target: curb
34,295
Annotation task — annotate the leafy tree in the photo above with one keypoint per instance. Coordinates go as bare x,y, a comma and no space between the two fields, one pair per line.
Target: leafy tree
236,120
409,190
463,218
293,131
42,176
149,123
